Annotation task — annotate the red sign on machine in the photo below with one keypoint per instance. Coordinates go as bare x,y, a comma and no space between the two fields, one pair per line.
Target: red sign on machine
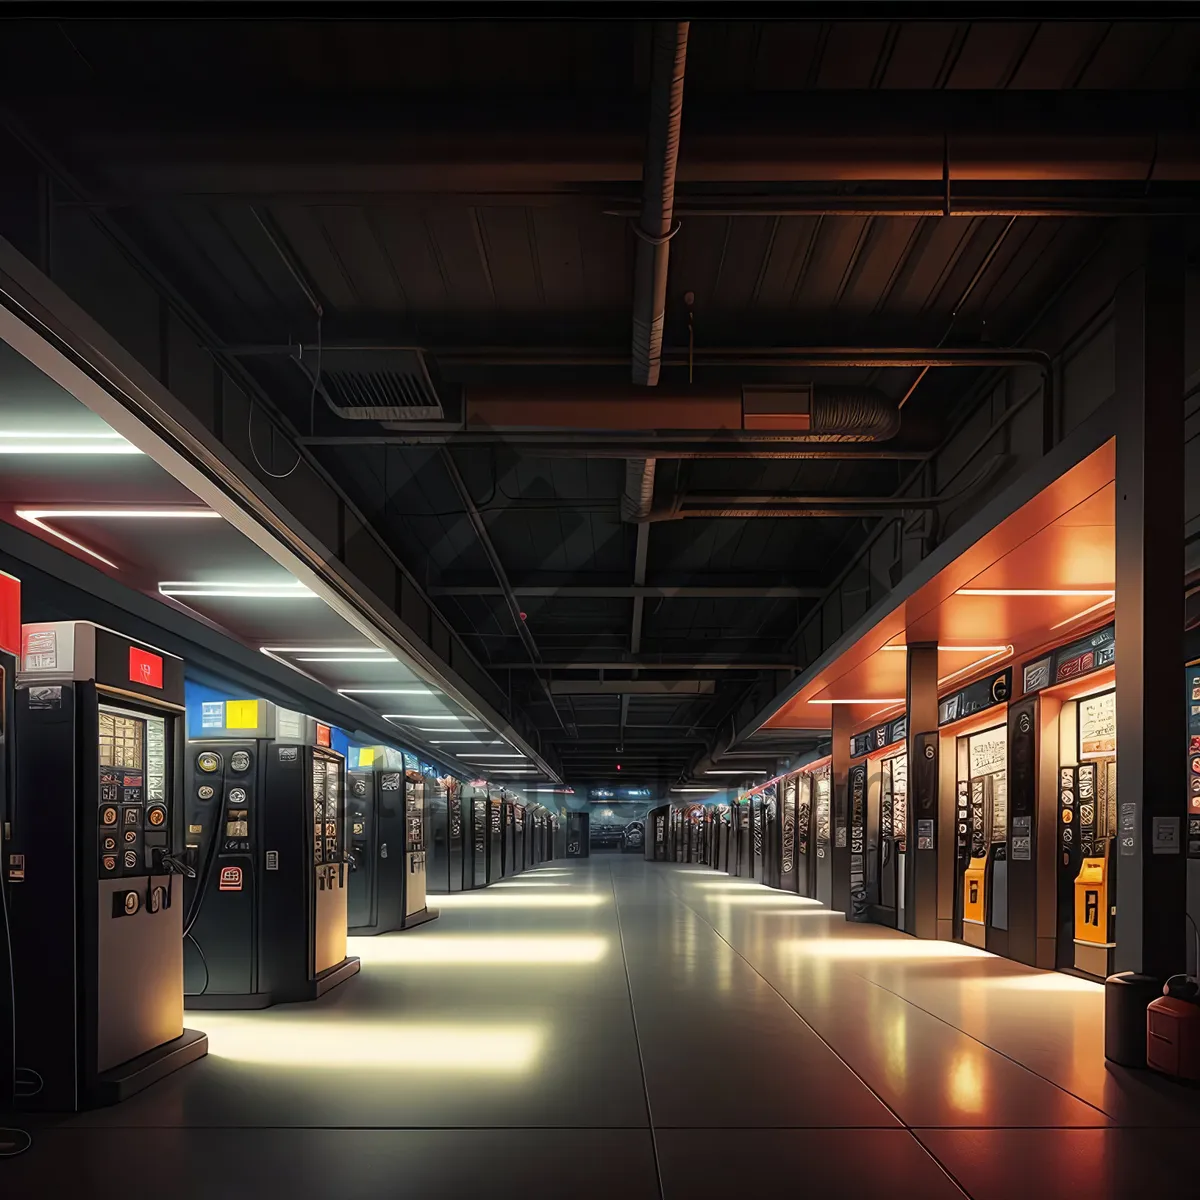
10,613
145,668
324,734
231,879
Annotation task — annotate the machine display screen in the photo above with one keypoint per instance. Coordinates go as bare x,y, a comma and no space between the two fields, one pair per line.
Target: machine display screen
132,752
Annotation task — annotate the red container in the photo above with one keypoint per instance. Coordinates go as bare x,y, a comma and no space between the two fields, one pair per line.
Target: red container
1173,1038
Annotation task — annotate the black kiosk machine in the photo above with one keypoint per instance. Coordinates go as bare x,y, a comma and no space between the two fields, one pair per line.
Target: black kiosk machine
266,915
387,842
96,908
10,644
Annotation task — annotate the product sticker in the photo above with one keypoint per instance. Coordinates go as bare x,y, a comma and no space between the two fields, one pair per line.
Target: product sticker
212,714
45,698
39,650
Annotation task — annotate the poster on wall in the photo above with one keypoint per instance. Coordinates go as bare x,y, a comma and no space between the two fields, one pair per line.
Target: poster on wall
1098,726
989,751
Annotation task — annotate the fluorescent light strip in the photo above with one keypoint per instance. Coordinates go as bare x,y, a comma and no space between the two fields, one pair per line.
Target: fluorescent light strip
20,442
1086,612
464,742
439,728
357,691
957,649
291,589
735,772
422,717
481,757
874,700
322,650
350,659
706,790
1035,592
37,517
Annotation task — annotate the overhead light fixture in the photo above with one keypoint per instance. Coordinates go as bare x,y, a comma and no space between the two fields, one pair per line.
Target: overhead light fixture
21,442
707,790
39,516
463,742
873,700
480,757
421,717
357,691
1035,592
351,659
956,649
438,728
323,650
1087,612
735,772
291,589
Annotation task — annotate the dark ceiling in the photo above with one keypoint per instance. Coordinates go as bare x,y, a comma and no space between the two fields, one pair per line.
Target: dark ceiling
471,189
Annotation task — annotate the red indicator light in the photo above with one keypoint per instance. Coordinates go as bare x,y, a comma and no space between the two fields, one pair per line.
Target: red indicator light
145,668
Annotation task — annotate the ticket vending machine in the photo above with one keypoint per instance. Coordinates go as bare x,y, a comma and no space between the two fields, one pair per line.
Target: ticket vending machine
10,643
93,866
416,908
265,813
1088,833
475,814
387,856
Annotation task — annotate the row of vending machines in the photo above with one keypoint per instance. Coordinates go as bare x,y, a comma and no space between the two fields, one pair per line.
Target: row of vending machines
145,872
1000,828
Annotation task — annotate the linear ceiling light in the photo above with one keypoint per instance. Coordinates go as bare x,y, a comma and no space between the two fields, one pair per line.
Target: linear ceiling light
291,589
737,772
481,757
37,442
323,650
873,700
1035,592
357,691
707,790
439,728
1087,612
462,742
38,517
423,717
350,658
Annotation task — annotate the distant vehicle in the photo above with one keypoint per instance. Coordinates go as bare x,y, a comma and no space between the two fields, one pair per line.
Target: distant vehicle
633,837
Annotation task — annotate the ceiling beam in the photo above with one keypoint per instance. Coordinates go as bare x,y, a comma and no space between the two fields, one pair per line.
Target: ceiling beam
631,687
583,591
545,141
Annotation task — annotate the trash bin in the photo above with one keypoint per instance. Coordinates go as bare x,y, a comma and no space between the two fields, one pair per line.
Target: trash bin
1126,998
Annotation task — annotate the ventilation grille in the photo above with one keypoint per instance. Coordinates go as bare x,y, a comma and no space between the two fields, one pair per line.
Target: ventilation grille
380,385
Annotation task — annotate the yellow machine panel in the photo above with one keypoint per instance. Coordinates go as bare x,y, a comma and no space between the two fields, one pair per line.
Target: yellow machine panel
1091,902
974,895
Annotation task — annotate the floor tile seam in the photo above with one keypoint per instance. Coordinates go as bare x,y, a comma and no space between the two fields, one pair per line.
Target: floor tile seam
636,1036
901,1123
980,1042
799,1016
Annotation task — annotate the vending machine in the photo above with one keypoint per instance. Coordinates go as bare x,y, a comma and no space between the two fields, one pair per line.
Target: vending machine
387,856
96,905
10,643
266,916
416,906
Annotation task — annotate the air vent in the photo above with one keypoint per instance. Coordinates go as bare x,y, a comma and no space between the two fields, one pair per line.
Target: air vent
380,385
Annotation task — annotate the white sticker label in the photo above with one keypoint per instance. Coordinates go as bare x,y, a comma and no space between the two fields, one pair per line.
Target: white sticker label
39,650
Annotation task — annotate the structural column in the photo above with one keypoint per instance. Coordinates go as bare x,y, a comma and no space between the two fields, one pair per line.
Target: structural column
924,835
842,721
1151,720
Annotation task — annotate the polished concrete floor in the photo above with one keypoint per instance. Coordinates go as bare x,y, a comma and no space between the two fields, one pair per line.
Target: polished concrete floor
620,1028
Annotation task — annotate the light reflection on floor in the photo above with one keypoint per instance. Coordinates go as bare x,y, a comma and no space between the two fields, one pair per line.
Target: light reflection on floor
492,949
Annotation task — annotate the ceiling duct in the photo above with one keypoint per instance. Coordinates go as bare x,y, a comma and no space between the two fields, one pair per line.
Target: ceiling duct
653,227
799,410
390,385
637,500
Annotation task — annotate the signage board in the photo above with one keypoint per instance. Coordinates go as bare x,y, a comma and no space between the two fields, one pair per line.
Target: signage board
878,738
1078,658
976,697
